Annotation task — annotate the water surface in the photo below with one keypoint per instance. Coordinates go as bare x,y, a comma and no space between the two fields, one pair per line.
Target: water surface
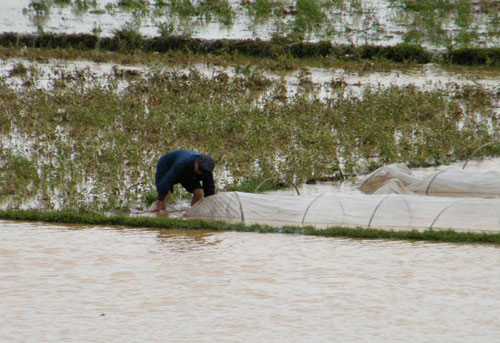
102,284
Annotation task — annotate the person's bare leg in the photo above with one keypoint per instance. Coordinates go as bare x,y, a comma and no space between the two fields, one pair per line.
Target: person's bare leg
197,196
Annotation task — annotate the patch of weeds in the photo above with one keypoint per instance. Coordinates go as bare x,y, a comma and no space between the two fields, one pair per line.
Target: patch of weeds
109,7
183,8
165,29
464,21
338,4
18,69
150,198
62,2
308,16
134,5
82,6
413,36
40,7
281,53
19,177
96,30
433,22
128,38
258,183
356,5
220,8
161,3
263,10
38,11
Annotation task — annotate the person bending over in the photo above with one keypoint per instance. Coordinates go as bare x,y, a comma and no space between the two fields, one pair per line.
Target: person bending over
188,168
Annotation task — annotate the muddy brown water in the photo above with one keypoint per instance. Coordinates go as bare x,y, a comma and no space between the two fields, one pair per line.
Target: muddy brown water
103,284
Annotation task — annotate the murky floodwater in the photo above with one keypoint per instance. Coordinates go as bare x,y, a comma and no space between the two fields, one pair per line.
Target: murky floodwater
99,284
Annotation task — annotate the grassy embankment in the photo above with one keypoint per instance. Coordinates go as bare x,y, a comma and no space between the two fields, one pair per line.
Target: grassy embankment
73,217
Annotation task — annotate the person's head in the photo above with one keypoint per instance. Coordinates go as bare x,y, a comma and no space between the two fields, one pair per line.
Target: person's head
204,164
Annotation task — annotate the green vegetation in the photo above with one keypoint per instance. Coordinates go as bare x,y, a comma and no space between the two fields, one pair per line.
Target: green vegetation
308,14
133,4
263,10
221,10
128,39
447,25
38,12
19,178
40,7
208,10
93,145
18,69
428,21
88,218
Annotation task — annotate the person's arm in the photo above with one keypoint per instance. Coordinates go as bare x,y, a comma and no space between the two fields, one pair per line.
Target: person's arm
161,204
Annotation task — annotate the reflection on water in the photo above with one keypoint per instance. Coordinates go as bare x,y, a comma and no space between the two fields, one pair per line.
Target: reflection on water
97,284
189,240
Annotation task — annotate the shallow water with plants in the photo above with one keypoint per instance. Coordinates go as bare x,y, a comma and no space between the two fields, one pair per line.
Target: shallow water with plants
445,25
74,139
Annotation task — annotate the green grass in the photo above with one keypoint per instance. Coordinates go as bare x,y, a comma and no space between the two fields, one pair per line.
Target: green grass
88,218
262,10
183,8
219,9
309,14
40,7
429,18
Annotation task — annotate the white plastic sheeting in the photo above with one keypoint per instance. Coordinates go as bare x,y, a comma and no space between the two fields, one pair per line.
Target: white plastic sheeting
449,182
386,211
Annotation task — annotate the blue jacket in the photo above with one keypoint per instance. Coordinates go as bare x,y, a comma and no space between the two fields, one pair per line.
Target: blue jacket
178,167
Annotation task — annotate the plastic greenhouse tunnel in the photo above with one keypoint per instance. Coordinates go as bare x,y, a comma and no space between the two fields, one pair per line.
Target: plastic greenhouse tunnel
390,198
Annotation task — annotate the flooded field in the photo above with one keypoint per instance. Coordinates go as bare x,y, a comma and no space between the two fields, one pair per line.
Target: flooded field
104,284
343,22
47,73
60,283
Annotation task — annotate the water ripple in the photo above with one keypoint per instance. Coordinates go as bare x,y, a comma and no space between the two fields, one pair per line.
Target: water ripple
100,284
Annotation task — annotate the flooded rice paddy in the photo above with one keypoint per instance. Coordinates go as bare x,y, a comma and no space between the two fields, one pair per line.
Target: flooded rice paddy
325,80
354,22
376,21
102,284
